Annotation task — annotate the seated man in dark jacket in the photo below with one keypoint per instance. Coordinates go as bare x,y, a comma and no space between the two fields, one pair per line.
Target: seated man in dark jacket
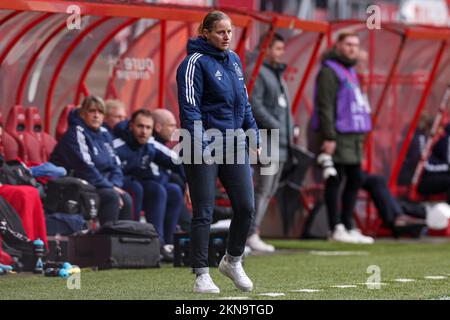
165,132
436,174
141,156
115,113
86,150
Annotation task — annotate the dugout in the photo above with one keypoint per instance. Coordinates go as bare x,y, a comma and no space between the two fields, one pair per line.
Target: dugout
131,52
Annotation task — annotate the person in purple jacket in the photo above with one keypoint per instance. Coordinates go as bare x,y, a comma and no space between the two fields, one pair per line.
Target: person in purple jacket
342,118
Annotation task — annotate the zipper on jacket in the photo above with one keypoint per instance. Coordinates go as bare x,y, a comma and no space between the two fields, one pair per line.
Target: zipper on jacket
234,91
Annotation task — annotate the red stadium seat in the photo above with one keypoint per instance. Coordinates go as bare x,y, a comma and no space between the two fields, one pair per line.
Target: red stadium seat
9,148
63,124
33,128
15,126
30,147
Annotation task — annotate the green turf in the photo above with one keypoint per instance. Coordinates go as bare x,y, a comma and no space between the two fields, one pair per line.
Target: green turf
292,267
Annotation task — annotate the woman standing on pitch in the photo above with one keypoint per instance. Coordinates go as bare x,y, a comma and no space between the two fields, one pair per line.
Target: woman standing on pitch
212,95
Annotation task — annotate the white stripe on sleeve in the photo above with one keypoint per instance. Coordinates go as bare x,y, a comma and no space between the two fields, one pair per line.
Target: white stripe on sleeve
84,150
189,78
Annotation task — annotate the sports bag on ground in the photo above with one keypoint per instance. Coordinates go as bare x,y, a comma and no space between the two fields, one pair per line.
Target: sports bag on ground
120,244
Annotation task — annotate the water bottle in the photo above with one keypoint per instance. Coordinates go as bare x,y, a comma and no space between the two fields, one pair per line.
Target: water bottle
184,249
38,256
58,248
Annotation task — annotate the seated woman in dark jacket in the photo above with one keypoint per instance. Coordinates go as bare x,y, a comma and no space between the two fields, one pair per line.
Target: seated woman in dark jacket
86,151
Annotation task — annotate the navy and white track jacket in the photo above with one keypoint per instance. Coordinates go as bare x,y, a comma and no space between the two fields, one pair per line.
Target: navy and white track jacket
211,89
88,153
144,161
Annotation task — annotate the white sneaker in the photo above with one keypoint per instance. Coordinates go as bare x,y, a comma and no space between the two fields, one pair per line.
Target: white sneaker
204,284
169,247
235,272
247,251
360,238
340,234
256,244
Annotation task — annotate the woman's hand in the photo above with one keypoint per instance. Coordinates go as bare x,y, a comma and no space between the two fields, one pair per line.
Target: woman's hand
120,192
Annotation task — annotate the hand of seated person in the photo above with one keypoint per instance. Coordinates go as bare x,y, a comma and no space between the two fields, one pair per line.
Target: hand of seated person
120,192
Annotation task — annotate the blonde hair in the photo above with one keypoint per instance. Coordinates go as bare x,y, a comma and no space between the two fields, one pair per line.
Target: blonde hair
97,101
210,20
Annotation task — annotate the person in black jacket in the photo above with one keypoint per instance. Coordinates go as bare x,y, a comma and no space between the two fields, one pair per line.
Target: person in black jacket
436,174
86,150
272,110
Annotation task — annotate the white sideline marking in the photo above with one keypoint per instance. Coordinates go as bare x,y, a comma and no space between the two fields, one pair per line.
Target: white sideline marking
373,284
435,277
339,253
404,280
306,290
272,294
235,298
345,286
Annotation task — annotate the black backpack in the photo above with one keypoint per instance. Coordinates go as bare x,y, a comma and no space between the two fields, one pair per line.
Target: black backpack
16,173
72,195
15,242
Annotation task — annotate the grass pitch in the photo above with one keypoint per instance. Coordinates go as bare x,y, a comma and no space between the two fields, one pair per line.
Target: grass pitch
315,266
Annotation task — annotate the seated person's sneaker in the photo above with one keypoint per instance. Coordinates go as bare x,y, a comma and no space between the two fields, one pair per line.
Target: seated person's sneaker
204,284
360,238
256,244
167,253
236,273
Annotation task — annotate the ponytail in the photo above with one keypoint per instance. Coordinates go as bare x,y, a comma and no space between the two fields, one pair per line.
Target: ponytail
210,20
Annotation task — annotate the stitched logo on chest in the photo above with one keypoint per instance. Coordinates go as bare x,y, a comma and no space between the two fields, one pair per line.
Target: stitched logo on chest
238,70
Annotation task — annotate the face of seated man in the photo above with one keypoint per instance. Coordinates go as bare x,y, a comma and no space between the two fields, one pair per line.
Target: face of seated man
92,116
142,128
114,116
165,123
